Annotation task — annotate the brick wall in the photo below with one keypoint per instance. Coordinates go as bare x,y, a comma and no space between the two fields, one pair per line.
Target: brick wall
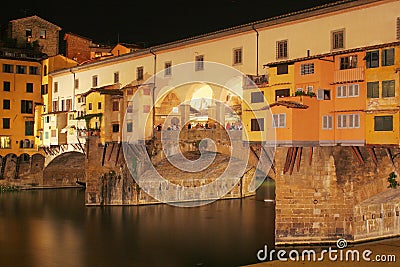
77,48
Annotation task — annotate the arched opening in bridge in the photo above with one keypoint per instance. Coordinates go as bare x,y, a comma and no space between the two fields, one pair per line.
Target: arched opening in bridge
202,98
167,111
65,170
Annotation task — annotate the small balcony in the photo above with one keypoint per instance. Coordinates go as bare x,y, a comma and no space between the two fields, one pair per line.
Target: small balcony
349,75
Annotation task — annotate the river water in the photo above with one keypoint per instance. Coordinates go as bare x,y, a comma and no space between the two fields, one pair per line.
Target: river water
54,228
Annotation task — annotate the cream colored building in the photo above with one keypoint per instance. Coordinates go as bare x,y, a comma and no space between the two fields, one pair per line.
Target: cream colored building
333,27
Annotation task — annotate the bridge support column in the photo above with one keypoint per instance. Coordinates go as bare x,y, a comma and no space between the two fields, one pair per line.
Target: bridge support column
220,113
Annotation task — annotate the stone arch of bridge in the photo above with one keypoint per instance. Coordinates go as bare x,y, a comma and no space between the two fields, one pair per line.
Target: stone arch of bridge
65,169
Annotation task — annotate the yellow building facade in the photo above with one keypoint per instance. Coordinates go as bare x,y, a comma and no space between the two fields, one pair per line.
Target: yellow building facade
20,81
383,96
104,113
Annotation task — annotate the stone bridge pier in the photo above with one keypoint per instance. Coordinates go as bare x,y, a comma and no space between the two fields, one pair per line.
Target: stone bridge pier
322,193
110,182
327,193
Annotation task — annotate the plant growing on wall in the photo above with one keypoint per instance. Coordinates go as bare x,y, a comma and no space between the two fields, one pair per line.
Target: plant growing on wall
392,180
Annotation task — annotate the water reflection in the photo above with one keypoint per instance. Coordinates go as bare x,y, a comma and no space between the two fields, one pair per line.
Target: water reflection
54,228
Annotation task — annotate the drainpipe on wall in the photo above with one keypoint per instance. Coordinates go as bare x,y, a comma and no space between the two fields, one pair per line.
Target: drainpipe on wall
154,87
257,35
73,90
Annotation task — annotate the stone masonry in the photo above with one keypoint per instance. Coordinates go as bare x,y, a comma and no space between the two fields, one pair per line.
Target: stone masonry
322,202
17,30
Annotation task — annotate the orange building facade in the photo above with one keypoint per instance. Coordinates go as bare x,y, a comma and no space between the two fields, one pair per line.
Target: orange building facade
347,98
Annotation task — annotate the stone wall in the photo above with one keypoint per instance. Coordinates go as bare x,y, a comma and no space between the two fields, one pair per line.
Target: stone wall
22,170
77,48
49,44
317,203
65,170
109,182
378,216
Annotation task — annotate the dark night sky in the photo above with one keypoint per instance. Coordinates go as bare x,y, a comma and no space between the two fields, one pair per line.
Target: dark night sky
149,21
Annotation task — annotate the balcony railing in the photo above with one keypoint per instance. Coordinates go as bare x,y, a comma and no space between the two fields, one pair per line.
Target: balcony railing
349,75
253,81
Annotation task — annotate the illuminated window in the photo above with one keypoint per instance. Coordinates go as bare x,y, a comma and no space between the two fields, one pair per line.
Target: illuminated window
5,142
28,33
42,34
